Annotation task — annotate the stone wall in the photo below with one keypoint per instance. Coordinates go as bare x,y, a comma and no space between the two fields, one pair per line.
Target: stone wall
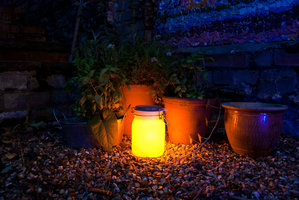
267,76
58,18
31,89
32,71
254,44
33,66
127,17
191,23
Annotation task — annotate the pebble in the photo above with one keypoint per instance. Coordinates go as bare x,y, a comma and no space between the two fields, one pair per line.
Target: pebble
256,194
165,190
213,172
39,190
21,175
116,188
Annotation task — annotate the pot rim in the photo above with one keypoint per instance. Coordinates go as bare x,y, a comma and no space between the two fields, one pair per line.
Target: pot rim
254,106
137,86
188,99
73,123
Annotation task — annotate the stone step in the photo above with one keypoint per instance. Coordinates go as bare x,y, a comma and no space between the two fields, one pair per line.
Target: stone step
30,76
30,87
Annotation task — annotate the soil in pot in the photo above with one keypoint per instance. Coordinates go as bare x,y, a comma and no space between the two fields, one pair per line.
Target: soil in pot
253,128
187,118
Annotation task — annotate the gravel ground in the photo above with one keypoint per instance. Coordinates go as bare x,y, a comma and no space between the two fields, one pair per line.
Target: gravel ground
36,164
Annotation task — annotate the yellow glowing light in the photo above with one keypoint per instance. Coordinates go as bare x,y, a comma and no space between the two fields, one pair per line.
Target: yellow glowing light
148,136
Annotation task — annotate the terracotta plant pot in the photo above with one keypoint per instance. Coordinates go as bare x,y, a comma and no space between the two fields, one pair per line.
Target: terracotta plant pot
187,118
253,128
135,95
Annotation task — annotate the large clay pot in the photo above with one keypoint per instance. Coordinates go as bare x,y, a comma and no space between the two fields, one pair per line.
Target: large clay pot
187,118
135,95
253,128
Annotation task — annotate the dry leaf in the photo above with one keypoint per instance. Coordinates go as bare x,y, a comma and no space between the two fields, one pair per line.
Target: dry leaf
10,155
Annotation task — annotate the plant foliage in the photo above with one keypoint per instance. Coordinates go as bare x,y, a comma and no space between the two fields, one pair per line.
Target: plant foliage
187,77
144,63
97,79
96,85
105,129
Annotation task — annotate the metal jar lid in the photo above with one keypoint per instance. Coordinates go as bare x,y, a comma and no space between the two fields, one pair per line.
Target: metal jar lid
148,110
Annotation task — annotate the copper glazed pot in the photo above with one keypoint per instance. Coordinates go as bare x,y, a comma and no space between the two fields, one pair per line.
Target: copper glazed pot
253,128
187,118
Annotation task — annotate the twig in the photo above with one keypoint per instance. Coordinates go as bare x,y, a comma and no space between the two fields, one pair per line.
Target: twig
198,148
197,194
94,89
76,30
238,198
210,105
101,191
22,154
217,167
14,128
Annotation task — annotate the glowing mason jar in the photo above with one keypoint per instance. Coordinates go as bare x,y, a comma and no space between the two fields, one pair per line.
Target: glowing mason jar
148,131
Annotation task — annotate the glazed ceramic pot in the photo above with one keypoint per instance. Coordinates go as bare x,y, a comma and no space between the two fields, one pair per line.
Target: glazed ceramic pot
253,128
187,118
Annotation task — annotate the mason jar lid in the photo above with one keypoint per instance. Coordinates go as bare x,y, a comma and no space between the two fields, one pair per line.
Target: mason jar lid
148,110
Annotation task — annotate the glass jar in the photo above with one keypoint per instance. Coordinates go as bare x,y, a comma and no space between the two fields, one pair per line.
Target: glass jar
148,131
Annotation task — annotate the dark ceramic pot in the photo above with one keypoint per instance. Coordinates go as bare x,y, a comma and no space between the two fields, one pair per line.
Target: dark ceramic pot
253,128
78,135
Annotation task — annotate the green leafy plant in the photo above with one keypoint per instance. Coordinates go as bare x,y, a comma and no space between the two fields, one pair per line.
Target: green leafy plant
96,84
96,80
145,63
187,77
